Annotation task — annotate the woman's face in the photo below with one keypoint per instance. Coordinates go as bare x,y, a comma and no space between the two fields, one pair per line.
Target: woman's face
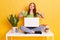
31,6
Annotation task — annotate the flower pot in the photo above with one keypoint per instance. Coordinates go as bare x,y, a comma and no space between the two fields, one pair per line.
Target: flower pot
14,29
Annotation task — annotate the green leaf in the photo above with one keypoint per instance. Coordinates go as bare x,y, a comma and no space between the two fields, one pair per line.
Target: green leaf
13,20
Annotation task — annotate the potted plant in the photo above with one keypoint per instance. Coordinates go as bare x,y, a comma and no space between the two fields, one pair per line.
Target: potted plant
13,19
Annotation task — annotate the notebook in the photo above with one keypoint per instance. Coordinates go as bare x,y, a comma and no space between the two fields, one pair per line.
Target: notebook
31,22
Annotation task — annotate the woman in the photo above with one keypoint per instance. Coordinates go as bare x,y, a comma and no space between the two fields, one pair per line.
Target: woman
31,13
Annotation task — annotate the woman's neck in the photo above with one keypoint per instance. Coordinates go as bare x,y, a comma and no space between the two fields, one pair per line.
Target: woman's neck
31,11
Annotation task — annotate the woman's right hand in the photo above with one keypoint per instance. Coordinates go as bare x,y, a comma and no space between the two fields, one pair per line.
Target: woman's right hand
21,14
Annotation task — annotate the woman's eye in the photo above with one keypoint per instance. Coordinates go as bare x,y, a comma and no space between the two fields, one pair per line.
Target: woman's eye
33,6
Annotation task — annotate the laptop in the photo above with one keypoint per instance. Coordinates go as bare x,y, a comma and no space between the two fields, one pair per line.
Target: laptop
31,22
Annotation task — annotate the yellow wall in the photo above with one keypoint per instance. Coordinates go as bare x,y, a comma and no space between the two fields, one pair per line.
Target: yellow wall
50,8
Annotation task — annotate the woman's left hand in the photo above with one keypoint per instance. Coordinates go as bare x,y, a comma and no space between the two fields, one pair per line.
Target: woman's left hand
42,16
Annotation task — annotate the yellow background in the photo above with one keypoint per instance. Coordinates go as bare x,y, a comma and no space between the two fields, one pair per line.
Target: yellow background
50,9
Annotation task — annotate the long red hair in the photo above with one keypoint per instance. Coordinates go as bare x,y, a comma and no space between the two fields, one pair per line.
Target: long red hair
34,10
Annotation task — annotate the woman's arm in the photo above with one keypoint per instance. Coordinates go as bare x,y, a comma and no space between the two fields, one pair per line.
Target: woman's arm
21,14
42,16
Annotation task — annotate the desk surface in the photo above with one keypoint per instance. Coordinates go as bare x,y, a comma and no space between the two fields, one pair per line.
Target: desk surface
9,33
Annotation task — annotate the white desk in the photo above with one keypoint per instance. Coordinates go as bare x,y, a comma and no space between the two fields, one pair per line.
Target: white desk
9,33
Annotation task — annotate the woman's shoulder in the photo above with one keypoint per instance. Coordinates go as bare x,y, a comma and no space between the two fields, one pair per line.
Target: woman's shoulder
37,13
25,13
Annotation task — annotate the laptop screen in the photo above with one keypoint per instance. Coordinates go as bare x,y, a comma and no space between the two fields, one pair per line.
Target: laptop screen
31,22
